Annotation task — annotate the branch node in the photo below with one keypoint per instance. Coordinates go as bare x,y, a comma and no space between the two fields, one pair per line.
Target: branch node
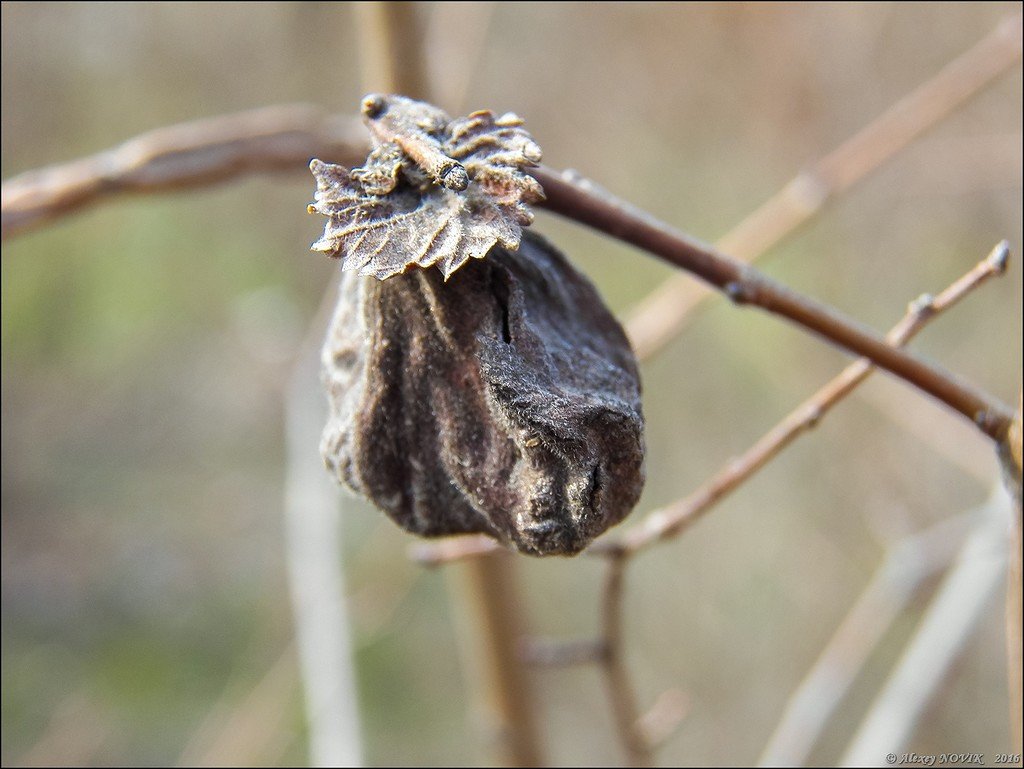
660,722
1000,257
923,305
547,653
808,191
737,292
612,549
991,423
813,415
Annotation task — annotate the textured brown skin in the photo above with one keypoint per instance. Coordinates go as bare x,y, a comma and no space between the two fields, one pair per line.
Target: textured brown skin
504,401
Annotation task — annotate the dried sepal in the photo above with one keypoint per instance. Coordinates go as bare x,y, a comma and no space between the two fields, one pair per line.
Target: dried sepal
505,401
433,191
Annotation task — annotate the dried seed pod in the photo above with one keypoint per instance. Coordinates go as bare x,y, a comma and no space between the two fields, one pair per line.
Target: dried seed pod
504,401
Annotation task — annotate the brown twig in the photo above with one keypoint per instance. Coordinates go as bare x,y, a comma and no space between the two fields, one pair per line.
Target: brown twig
312,538
391,44
490,600
670,521
617,681
455,60
582,201
1012,460
188,155
434,553
661,315
673,519
545,653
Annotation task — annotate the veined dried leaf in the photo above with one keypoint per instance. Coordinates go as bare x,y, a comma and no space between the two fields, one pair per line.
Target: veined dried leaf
505,401
434,191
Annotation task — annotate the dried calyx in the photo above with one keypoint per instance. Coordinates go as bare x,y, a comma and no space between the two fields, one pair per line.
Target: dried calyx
503,401
433,191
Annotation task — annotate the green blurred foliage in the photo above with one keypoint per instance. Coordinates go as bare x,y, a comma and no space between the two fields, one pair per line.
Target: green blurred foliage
146,344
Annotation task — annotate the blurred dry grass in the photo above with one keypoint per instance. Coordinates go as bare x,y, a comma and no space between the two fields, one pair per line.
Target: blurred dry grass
146,344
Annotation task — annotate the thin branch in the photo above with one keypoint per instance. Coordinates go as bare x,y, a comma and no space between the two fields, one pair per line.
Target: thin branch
671,520
248,727
660,316
315,578
905,566
456,58
578,199
545,653
391,44
1014,607
433,553
663,718
186,155
488,598
75,734
949,622
617,680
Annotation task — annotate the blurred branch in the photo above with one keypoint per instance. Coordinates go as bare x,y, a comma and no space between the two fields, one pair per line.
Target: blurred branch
661,315
664,717
76,732
617,680
391,44
316,579
948,623
671,520
1014,609
546,653
438,552
906,565
583,201
456,58
251,729
182,156
490,602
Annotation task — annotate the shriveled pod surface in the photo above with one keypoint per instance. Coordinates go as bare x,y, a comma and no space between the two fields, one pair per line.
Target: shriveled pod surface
498,397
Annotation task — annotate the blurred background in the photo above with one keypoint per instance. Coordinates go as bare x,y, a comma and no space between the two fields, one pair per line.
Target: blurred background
147,344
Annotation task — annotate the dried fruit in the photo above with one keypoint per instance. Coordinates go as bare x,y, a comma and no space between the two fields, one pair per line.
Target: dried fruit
504,401
433,191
